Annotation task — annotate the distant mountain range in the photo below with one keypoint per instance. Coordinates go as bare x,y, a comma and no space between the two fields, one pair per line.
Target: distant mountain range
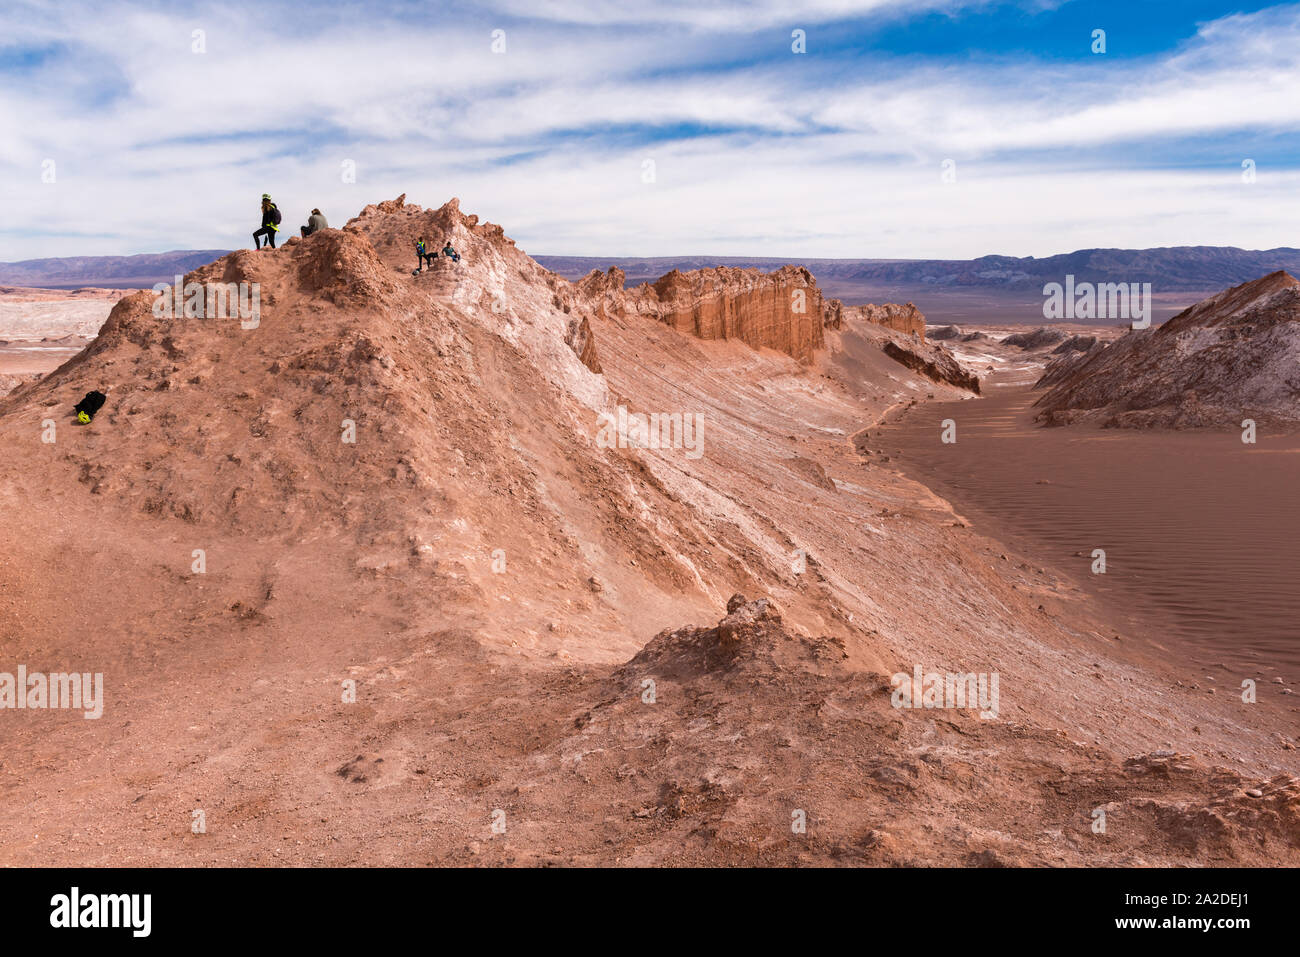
992,288
1168,269
111,272
946,290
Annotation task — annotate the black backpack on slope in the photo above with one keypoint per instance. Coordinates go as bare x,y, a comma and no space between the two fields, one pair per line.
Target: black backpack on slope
92,403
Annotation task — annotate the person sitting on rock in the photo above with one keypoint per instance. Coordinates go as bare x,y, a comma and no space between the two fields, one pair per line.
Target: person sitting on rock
450,253
270,223
315,223
423,255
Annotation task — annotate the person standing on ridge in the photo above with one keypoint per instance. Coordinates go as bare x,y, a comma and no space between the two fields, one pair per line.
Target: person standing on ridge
270,223
315,223
422,255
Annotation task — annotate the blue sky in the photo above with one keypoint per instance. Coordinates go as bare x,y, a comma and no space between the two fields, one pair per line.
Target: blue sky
124,134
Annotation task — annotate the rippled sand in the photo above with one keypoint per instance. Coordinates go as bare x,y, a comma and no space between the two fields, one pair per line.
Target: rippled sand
1201,531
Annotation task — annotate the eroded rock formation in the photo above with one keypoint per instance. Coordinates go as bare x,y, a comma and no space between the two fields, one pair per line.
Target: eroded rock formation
904,318
1235,355
942,333
1036,339
779,310
934,362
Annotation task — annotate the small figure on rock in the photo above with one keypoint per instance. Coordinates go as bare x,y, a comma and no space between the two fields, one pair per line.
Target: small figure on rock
270,223
315,223
450,253
422,255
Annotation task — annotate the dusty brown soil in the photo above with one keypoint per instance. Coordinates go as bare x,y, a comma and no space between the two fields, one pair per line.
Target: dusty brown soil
517,693
1199,529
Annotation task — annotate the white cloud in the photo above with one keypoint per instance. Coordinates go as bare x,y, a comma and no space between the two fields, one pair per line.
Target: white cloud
158,147
720,17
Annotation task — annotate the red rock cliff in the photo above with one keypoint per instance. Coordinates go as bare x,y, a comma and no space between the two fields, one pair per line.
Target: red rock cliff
782,310
778,310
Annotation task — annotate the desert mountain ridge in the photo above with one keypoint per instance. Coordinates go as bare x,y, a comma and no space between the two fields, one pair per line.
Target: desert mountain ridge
136,271
1232,356
637,652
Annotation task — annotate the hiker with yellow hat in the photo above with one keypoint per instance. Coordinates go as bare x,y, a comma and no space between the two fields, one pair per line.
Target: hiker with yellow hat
270,223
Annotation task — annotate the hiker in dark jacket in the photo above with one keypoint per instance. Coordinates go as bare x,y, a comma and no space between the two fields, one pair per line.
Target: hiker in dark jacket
270,223
315,223
423,255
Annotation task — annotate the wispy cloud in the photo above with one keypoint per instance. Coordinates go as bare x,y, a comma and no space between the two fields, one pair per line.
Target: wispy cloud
723,18
756,149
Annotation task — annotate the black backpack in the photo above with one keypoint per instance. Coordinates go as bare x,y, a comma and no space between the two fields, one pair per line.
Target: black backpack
92,403
275,214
